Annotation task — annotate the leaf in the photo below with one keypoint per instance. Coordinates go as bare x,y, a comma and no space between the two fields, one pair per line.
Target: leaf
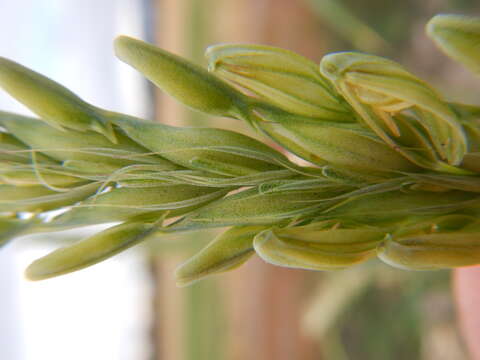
397,204
321,142
335,238
38,198
253,207
228,251
73,145
376,88
215,150
280,77
185,81
325,250
122,204
90,251
52,102
432,251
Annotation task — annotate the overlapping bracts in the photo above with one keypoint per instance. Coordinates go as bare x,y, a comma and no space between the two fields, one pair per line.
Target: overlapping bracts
394,168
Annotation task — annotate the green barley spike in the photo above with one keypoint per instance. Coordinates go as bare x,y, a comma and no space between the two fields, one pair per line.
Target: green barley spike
392,167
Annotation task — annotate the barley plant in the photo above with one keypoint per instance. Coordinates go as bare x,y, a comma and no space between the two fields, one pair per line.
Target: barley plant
393,167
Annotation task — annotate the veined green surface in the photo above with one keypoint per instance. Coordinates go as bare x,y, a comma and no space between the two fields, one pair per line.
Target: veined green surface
394,165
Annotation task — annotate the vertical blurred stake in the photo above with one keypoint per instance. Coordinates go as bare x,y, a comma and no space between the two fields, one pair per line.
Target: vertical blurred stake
265,303
167,309
168,325
466,289
170,34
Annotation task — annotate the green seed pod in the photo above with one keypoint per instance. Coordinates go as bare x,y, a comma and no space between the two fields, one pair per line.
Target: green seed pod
73,145
331,236
343,145
395,205
38,198
432,251
90,251
254,207
281,77
458,36
378,88
214,150
52,102
228,251
122,204
305,248
185,81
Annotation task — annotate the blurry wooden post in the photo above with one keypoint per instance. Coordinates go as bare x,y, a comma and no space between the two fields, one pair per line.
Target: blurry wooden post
267,303
264,303
168,329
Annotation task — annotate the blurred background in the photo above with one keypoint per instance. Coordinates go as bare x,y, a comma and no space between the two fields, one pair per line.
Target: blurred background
129,307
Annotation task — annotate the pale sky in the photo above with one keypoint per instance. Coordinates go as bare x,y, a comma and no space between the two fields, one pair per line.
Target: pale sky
101,312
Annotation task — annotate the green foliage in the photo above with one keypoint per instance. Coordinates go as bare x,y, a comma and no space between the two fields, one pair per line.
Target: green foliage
393,167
